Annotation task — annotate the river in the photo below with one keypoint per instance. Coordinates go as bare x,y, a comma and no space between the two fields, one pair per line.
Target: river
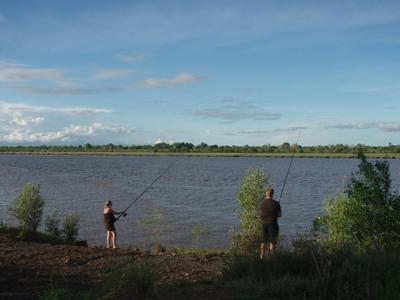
194,203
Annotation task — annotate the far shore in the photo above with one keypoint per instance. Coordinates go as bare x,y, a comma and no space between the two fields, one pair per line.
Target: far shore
207,154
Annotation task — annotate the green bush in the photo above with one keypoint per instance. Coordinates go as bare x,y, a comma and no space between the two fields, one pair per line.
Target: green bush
251,193
28,207
52,224
367,214
70,228
315,271
3,227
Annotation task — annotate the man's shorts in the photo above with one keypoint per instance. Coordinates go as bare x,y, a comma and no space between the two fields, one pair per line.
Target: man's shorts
270,233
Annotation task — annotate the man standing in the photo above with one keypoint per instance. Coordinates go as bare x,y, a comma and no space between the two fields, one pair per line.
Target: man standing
270,212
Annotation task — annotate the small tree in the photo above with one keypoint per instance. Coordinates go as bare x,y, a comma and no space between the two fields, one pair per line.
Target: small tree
250,196
28,207
52,224
367,214
70,228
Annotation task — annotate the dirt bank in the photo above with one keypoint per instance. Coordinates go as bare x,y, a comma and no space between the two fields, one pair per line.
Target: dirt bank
28,269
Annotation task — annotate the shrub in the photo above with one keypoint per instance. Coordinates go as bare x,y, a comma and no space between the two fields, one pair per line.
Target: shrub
367,214
28,207
52,224
70,227
198,231
251,193
3,227
319,273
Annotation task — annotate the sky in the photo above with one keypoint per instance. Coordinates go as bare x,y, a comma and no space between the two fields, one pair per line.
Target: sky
219,72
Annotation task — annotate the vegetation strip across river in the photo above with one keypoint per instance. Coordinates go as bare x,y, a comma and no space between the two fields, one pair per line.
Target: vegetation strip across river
227,154
203,149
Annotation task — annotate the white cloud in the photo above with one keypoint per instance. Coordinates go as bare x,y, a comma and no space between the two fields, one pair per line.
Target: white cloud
70,133
291,129
236,111
255,132
110,74
95,128
22,123
23,115
167,141
179,79
20,120
78,110
383,126
55,91
16,73
51,81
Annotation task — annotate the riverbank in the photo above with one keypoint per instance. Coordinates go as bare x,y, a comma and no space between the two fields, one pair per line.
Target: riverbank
33,270
208,154
60,272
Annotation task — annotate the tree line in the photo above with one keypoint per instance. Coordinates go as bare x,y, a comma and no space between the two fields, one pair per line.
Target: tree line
183,147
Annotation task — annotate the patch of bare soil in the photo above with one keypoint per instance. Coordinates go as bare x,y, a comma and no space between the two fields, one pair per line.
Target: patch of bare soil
28,269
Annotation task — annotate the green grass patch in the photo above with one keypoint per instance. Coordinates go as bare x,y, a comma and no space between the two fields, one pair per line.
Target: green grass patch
318,273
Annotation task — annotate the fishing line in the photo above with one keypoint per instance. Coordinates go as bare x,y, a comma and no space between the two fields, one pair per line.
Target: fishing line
288,169
123,213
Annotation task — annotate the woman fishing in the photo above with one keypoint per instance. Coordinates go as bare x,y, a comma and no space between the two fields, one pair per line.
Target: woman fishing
109,220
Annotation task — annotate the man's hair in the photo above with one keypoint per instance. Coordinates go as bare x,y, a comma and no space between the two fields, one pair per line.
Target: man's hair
269,191
108,203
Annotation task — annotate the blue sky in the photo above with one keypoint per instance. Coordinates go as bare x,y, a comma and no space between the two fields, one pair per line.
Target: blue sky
220,72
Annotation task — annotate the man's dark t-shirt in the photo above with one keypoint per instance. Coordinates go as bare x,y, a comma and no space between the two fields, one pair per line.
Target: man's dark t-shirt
270,209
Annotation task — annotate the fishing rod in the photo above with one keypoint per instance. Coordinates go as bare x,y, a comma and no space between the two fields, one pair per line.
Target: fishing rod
123,213
288,169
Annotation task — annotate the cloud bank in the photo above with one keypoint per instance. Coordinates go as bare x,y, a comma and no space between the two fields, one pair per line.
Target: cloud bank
67,134
23,123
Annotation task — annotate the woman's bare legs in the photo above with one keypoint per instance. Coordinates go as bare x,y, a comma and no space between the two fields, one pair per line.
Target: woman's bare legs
114,239
111,239
109,233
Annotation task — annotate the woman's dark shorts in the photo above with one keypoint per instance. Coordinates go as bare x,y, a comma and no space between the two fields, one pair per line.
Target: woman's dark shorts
270,233
110,227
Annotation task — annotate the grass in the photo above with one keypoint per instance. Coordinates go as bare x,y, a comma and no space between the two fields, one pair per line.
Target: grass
317,273
134,281
208,154
55,293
